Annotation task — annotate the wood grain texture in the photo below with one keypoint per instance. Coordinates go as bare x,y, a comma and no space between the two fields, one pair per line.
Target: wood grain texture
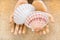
6,9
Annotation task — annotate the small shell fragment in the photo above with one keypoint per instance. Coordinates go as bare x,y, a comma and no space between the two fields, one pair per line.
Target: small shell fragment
21,13
37,19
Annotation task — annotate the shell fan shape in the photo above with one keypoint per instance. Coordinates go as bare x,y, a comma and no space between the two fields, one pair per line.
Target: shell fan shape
37,19
21,12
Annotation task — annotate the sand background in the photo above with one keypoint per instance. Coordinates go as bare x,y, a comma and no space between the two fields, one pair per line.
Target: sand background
6,9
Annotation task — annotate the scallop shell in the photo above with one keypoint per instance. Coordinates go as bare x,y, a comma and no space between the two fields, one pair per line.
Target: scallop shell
21,13
37,19
40,6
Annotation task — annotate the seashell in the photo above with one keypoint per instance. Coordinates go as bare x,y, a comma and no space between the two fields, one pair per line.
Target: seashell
21,12
37,19
39,5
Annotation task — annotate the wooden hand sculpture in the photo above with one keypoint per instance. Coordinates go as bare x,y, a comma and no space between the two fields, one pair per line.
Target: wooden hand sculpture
17,28
22,17
40,6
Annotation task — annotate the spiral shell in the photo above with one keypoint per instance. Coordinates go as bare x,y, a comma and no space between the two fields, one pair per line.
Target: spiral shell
37,19
21,13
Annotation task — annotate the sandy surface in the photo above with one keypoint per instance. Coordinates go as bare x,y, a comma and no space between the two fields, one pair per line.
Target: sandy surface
6,9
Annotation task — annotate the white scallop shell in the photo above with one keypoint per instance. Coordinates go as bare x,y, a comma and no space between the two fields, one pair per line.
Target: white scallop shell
21,13
37,19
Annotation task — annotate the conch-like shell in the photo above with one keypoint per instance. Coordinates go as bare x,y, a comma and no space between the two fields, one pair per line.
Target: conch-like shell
37,19
21,12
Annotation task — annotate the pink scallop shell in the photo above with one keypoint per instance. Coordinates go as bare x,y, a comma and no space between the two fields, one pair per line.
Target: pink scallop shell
37,19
